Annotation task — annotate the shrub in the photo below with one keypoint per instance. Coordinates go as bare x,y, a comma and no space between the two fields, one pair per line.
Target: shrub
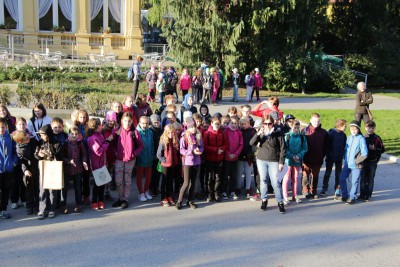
6,95
342,78
97,103
25,97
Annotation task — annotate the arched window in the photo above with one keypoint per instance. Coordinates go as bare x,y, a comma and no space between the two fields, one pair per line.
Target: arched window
106,14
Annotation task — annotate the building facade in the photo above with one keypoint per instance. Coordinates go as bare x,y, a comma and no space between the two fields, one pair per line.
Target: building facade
74,27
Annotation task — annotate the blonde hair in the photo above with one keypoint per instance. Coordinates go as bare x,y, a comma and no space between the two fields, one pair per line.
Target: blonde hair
164,137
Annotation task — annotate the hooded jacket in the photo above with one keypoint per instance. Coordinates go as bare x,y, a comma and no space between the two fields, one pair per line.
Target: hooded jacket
271,148
235,140
185,82
336,145
97,145
214,140
186,150
146,156
295,146
207,117
8,153
356,151
56,150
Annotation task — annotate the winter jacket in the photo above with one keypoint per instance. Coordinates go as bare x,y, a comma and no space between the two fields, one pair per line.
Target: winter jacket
157,132
60,138
151,79
186,150
271,148
250,81
263,113
126,146
97,145
26,157
336,145
235,141
74,150
247,151
146,156
236,79
185,82
317,141
296,144
111,152
56,150
34,124
214,140
363,99
168,154
8,153
258,80
355,144
143,110
374,139
133,113
216,81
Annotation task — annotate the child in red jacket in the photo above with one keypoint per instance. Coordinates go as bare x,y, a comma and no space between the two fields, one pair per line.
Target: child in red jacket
215,145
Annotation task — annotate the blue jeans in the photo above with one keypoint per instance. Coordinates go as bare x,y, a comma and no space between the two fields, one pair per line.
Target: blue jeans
271,168
235,92
367,178
355,180
161,94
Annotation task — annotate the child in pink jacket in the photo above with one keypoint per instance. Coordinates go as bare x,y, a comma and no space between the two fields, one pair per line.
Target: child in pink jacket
185,82
235,141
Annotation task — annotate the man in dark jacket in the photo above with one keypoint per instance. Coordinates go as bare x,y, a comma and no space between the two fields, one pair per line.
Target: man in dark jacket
363,100
317,140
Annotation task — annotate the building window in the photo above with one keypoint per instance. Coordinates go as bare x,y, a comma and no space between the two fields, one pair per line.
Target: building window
9,14
96,25
9,22
55,13
106,14
46,22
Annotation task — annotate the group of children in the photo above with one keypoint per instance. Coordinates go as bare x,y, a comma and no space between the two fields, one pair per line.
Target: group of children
181,152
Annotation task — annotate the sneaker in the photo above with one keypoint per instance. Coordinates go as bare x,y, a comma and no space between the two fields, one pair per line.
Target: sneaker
5,215
350,201
95,206
235,197
101,205
165,202
117,203
286,201
64,210
40,216
191,204
298,200
148,196
142,197
29,211
315,196
171,201
337,192
264,204
256,197
14,206
77,209
178,205
281,207
361,198
224,196
367,199
209,199
339,198
52,214
124,204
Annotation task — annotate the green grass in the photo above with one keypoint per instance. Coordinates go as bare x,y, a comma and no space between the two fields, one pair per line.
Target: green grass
387,128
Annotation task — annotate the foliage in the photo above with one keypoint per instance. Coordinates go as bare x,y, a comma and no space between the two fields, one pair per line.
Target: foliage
97,103
6,95
342,78
24,97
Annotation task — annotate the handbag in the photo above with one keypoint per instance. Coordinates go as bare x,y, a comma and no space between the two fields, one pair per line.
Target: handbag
101,176
159,168
371,118
51,174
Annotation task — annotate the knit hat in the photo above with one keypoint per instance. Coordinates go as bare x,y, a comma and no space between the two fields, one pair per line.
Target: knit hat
355,124
256,70
154,118
111,116
189,122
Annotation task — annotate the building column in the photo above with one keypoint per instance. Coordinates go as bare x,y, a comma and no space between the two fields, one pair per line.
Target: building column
133,29
82,20
29,16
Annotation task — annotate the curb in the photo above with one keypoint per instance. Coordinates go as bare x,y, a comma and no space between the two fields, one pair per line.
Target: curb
391,158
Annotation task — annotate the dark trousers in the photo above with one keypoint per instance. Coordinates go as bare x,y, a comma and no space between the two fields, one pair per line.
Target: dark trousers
361,116
167,178
256,177
197,93
310,177
85,183
229,179
77,180
257,90
367,178
201,176
18,188
151,97
219,94
328,171
161,96
135,88
184,93
47,199
98,193
213,178
5,184
155,177
178,179
32,191
189,181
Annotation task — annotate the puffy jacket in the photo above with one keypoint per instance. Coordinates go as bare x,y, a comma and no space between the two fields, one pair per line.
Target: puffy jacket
250,81
185,82
145,158
374,139
355,144
247,151
235,140
336,145
296,144
214,140
8,153
271,148
97,145
186,149
74,150
317,141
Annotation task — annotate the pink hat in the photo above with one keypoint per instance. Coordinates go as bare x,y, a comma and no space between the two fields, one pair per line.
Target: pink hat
111,115
152,67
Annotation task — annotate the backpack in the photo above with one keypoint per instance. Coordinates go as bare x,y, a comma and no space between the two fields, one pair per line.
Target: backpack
301,140
172,81
207,83
247,78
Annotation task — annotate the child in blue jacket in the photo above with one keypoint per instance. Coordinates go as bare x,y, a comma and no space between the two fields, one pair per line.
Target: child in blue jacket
355,153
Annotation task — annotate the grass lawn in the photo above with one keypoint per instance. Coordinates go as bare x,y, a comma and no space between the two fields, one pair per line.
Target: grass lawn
387,128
